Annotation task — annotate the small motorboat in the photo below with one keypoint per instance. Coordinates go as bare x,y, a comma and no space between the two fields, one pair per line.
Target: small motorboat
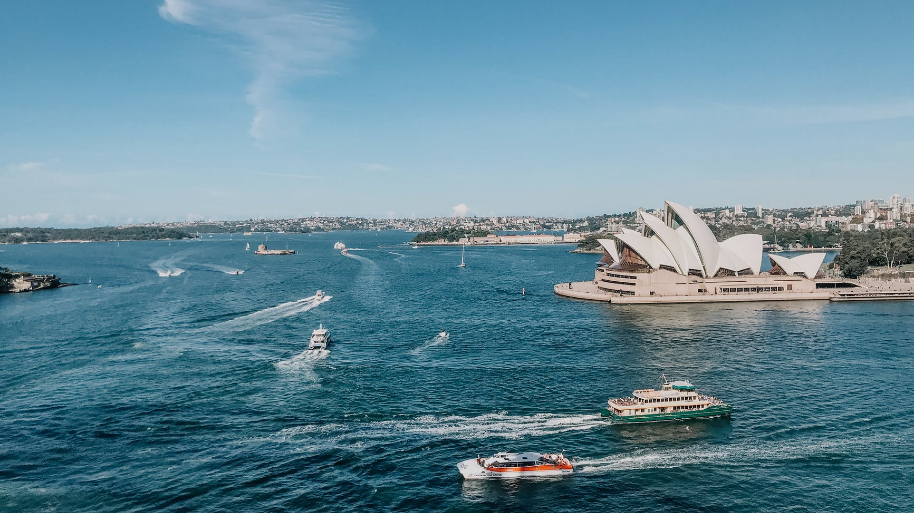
320,339
444,334
319,295
516,464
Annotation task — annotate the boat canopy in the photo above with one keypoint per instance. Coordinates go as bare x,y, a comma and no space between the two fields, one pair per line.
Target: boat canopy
518,456
682,385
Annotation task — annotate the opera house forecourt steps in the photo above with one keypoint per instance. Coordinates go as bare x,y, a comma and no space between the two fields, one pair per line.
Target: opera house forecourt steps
676,258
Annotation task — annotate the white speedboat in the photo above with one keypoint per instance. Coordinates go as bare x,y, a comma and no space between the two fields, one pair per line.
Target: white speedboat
319,295
320,339
444,334
516,464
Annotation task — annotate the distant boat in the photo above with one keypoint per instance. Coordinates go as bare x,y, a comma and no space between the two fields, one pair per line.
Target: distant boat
462,262
247,247
444,334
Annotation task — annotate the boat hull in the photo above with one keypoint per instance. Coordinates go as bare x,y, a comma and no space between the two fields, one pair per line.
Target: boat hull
722,410
470,469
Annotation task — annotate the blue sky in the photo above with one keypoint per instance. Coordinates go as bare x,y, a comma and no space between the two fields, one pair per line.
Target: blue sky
118,112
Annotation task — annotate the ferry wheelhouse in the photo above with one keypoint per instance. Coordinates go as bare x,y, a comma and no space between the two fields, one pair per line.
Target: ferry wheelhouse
676,400
516,464
320,339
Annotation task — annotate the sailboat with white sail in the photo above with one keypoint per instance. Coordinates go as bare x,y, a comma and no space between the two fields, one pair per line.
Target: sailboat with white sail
462,261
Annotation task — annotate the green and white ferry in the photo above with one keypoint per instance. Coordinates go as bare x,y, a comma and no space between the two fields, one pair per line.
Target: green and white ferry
676,400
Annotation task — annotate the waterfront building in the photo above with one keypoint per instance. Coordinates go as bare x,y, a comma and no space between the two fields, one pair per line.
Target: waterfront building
677,258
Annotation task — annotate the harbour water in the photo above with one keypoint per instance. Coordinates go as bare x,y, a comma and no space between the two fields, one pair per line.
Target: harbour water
179,385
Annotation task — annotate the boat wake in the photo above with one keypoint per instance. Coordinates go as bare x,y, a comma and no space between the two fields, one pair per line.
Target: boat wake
168,266
437,341
304,360
492,425
740,454
221,268
268,315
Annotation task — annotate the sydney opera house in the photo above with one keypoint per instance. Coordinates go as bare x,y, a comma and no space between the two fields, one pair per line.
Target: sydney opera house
676,258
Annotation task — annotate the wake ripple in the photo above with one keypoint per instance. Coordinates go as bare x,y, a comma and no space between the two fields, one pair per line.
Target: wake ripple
303,360
268,315
744,453
492,425
167,266
221,268
437,341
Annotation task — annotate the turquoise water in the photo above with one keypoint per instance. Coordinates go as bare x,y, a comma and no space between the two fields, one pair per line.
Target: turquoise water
190,391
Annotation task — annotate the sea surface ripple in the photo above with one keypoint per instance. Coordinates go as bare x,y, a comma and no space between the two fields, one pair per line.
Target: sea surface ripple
173,387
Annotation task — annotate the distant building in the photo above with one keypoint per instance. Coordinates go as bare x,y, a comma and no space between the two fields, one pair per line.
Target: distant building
758,211
738,209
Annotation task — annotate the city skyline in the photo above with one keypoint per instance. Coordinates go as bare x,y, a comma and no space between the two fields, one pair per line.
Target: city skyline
172,110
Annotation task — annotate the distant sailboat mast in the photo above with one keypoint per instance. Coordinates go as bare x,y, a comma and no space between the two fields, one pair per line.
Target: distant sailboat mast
462,251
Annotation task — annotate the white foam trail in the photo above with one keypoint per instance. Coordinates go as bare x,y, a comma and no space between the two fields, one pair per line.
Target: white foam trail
304,360
745,453
221,268
167,266
268,315
437,341
492,425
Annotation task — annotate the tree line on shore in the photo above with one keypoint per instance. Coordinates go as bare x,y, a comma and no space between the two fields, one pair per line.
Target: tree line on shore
449,234
104,233
883,248
6,279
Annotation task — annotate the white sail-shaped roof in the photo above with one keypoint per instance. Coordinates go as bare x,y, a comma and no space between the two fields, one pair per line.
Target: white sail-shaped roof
651,249
705,243
747,248
609,246
680,249
807,265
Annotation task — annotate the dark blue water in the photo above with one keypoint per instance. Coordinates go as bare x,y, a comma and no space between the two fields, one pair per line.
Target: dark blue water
190,392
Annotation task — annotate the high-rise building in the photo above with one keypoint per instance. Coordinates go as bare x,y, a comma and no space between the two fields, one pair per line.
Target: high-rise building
758,211
906,207
738,209
858,210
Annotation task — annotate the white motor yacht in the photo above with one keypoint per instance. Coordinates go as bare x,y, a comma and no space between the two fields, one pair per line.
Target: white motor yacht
320,339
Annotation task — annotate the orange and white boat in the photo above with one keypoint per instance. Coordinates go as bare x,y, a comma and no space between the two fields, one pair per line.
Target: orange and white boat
516,464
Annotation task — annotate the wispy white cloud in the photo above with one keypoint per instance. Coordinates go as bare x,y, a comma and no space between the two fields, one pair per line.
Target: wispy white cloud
282,40
87,220
375,167
460,210
30,166
24,220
